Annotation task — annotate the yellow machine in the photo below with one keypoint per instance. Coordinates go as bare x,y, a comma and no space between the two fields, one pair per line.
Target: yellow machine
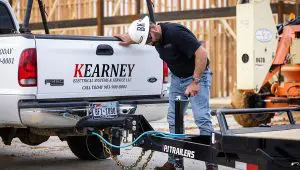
268,62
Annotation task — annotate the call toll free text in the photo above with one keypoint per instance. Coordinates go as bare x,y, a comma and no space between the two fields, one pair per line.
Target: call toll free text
104,87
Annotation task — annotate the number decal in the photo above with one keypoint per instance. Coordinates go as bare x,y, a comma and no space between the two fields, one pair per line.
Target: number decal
7,60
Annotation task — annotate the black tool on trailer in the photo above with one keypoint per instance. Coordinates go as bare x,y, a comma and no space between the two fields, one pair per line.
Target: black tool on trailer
228,147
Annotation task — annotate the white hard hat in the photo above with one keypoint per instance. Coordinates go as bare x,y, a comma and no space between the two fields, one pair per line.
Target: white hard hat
139,30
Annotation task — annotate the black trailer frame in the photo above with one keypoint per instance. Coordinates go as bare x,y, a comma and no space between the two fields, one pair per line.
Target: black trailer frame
225,147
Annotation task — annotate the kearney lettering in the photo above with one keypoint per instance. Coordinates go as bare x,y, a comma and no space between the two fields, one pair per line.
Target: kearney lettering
103,70
178,151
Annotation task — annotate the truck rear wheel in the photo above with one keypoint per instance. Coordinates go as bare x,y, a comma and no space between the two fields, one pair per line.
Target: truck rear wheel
87,147
241,100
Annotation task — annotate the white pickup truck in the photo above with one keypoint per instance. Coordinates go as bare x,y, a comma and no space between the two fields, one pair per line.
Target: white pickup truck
48,82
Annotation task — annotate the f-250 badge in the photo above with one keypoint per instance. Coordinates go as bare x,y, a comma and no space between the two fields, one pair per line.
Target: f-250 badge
54,82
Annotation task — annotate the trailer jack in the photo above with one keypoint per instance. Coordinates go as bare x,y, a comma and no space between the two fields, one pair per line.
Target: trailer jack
228,147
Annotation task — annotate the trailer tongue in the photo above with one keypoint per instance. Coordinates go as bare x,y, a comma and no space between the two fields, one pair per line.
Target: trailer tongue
237,148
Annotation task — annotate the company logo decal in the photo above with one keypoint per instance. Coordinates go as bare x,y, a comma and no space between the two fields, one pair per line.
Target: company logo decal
103,76
178,151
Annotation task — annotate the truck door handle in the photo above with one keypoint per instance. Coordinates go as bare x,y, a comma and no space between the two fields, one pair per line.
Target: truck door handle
104,49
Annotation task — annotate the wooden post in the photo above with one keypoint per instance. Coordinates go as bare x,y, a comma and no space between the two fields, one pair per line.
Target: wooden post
138,7
100,16
297,13
53,7
179,5
280,11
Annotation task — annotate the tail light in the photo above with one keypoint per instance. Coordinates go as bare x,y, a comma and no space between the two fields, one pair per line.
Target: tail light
27,75
165,73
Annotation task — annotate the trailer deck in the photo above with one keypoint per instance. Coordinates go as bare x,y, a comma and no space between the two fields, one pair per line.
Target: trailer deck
283,134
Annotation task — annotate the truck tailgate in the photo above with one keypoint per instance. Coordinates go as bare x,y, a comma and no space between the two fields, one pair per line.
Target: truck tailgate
76,67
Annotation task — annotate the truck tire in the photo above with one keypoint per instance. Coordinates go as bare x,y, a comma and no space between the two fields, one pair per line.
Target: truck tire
240,100
87,147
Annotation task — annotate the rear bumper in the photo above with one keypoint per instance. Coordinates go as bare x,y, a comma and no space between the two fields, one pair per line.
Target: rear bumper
47,118
67,114
58,115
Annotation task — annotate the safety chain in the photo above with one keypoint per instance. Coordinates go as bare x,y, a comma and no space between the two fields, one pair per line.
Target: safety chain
147,160
121,165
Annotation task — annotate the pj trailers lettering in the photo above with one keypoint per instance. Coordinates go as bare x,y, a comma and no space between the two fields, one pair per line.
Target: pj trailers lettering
179,151
103,70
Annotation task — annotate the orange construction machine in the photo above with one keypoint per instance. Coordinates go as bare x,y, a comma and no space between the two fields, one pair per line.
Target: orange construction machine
268,62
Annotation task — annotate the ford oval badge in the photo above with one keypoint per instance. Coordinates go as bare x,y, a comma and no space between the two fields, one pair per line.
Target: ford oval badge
152,80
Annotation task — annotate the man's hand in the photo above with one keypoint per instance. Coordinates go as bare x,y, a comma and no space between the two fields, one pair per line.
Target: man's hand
126,40
192,89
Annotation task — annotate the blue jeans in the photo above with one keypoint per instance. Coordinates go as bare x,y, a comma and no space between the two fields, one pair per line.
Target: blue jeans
199,103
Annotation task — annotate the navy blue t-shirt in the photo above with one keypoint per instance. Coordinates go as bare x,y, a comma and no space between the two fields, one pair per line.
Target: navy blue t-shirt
177,48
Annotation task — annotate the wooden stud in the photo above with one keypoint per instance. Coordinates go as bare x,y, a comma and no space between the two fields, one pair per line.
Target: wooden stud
179,7
116,9
220,54
297,8
138,7
157,5
100,16
280,11
52,9
130,7
228,28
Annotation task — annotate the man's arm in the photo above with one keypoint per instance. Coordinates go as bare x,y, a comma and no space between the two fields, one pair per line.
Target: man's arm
200,62
125,39
200,65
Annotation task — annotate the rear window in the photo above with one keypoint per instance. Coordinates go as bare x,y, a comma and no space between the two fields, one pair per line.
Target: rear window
6,21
